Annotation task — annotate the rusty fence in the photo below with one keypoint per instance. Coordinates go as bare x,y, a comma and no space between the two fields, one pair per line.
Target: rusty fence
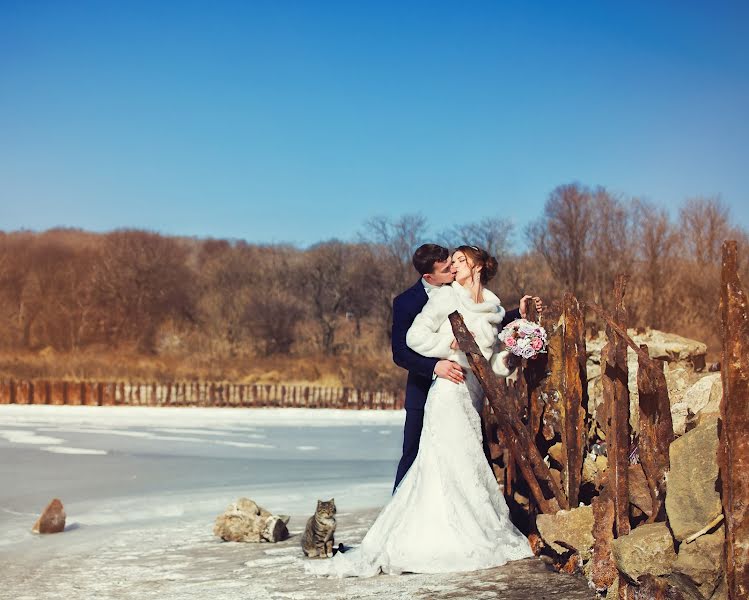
189,393
546,409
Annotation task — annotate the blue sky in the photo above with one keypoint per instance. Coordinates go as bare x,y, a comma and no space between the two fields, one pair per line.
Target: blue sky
287,121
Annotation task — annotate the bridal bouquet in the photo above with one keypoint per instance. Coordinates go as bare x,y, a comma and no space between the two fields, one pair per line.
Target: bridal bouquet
524,339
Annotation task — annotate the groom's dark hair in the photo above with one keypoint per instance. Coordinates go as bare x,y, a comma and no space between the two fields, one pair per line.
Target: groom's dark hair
428,254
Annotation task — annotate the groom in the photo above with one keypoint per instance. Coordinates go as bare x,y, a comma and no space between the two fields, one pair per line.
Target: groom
434,264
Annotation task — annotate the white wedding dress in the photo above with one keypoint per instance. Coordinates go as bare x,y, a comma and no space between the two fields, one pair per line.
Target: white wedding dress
448,513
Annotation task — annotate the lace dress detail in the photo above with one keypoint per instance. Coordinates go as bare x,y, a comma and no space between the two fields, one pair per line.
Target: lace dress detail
448,513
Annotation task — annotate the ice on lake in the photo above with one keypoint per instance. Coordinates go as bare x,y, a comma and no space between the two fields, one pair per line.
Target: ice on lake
142,486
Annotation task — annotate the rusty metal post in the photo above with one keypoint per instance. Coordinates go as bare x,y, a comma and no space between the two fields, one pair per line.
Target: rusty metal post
733,449
5,392
603,571
574,360
534,373
616,397
656,428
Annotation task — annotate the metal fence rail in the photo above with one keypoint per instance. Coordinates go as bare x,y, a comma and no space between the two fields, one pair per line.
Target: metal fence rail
192,393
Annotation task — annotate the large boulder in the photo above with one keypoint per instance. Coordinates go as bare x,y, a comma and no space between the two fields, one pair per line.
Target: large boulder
692,500
573,528
702,561
682,355
699,403
52,519
648,549
673,348
672,587
245,521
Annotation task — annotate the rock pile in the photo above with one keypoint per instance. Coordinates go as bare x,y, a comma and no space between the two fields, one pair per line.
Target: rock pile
245,521
684,555
684,358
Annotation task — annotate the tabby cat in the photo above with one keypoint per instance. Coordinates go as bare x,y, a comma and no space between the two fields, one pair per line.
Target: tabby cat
318,534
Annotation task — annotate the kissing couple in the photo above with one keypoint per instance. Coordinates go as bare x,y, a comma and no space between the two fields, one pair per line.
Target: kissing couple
447,512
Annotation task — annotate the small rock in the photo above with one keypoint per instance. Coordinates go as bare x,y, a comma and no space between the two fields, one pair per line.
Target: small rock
648,549
594,469
711,410
555,453
574,528
721,592
699,401
639,492
692,500
52,519
702,561
677,382
245,521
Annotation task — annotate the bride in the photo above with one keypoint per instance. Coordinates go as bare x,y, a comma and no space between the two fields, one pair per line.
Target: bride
447,513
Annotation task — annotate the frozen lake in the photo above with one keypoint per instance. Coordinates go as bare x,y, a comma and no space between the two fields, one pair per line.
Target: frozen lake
113,466
142,487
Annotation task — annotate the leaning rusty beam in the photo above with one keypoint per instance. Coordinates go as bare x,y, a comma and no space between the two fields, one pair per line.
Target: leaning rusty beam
656,429
733,450
616,328
515,434
616,397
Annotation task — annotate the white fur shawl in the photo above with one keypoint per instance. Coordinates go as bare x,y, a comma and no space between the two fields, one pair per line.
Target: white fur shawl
431,333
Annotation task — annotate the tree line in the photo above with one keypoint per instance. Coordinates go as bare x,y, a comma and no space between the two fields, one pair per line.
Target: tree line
71,290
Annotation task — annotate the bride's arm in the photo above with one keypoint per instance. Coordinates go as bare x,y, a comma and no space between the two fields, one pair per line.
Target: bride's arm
424,336
487,338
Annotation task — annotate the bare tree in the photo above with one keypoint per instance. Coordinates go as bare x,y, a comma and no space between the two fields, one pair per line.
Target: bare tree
563,233
226,275
610,243
141,280
322,283
392,243
363,274
493,234
657,244
275,308
705,225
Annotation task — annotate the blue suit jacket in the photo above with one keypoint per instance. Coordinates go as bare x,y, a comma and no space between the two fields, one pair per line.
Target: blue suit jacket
420,368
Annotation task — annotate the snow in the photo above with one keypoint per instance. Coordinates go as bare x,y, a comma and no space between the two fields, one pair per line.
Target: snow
142,486
69,450
194,417
28,437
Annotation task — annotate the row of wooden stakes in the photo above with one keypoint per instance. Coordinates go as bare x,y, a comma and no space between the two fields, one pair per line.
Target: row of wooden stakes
192,393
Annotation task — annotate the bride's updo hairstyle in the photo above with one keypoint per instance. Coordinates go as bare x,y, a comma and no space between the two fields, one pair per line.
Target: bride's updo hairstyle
481,258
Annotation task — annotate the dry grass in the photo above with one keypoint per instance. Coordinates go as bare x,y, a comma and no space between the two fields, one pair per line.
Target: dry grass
371,373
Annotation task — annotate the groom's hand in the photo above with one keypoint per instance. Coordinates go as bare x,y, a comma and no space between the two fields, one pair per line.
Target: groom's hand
450,370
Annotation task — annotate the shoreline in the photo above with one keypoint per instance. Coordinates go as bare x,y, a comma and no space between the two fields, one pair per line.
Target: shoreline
184,560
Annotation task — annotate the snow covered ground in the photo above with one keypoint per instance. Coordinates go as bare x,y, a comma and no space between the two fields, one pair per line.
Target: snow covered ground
142,486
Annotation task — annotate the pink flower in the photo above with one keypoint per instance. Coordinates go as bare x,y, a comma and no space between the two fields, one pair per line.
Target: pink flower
510,341
537,343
